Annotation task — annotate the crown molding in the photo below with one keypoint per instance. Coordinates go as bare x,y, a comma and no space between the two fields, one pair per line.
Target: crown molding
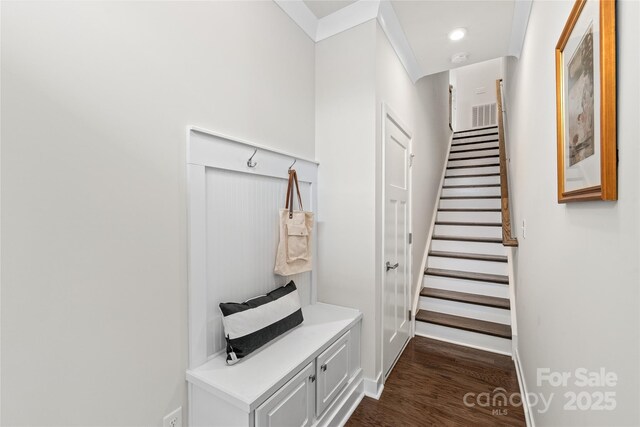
382,10
521,12
301,15
352,16
393,29
348,17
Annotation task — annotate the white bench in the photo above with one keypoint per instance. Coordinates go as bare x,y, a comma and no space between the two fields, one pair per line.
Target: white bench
309,376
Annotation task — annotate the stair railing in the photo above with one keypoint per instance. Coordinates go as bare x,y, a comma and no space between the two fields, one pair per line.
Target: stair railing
507,237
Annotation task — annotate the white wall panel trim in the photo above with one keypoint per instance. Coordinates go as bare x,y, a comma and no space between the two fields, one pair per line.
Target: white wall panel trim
233,229
192,157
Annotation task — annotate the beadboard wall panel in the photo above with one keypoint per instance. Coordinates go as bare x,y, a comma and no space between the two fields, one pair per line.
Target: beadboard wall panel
242,238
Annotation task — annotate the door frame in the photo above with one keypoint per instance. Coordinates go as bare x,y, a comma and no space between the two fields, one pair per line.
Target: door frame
387,112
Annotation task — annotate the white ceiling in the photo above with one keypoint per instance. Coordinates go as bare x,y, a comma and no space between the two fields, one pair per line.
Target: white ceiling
427,24
418,29
322,8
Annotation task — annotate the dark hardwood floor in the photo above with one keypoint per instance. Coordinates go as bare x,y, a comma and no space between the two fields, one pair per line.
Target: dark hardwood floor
428,385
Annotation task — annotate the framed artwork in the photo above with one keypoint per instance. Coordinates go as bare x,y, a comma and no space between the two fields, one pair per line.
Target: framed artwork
586,103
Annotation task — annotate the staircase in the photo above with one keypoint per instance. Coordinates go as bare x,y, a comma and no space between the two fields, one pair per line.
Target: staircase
465,297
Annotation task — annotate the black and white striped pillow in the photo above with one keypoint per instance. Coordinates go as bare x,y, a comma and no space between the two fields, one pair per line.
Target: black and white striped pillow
253,323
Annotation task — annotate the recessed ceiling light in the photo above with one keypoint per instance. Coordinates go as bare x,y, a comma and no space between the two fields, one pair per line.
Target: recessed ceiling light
459,58
457,34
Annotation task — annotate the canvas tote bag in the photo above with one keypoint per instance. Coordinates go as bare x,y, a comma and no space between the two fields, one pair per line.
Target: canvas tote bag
294,247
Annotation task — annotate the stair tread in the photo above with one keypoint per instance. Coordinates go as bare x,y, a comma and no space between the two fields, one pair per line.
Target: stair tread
472,186
459,144
475,129
470,224
477,175
474,166
475,149
468,197
490,156
468,239
455,138
465,297
467,275
469,210
473,325
466,255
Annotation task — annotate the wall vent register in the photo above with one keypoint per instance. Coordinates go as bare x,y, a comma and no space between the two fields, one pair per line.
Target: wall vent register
484,115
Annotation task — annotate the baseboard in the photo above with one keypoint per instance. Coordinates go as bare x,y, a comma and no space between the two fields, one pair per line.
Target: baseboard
373,388
524,391
432,227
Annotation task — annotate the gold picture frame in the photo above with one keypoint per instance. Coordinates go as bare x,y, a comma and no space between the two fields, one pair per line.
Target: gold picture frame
586,103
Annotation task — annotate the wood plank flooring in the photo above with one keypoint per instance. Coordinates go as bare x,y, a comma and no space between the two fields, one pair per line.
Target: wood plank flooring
428,385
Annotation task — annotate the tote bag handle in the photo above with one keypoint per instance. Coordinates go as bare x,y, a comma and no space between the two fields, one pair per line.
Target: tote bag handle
293,180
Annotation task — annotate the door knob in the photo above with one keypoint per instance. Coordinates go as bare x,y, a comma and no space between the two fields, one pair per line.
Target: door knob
392,267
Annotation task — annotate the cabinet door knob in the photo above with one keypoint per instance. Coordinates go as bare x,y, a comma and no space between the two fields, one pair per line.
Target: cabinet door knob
323,367
312,378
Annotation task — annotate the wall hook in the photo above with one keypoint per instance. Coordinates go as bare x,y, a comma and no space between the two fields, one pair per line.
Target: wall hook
294,162
250,162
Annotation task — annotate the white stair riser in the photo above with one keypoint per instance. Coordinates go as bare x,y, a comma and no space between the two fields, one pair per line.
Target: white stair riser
489,161
471,231
473,171
468,247
453,156
458,147
476,136
472,311
474,180
475,130
458,336
469,216
474,143
474,266
474,191
470,203
468,286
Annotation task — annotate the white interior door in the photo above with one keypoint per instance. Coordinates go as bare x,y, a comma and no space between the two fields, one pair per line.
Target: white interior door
397,275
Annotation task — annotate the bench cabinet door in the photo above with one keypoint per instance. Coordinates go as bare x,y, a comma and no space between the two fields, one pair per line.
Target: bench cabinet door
332,372
292,405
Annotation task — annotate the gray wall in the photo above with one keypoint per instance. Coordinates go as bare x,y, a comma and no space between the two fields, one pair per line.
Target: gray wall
424,109
577,269
467,81
96,98
345,148
356,72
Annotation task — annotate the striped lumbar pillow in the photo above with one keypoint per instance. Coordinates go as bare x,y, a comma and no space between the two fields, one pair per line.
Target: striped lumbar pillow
253,323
